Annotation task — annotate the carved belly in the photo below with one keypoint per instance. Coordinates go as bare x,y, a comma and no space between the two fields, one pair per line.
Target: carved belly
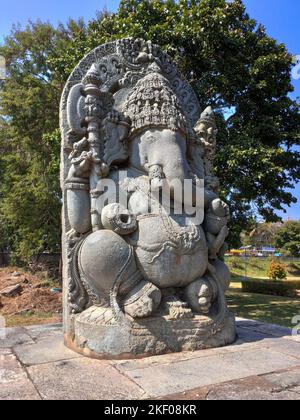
168,254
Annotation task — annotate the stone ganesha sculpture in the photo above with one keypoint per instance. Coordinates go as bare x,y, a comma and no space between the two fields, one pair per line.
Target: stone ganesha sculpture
135,253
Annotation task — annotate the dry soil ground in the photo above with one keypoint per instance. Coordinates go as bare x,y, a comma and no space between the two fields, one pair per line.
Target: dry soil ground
34,303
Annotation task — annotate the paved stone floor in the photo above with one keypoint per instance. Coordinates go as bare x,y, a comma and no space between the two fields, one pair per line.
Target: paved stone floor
264,363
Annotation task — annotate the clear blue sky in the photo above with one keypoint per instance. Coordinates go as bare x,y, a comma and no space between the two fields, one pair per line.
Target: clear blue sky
281,18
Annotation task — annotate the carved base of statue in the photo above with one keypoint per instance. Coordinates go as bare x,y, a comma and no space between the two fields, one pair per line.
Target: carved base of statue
97,334
144,228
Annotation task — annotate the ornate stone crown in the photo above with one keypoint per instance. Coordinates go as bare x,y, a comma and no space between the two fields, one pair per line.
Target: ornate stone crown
152,103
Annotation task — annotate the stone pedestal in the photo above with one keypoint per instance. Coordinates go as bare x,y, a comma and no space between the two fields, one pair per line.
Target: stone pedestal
98,335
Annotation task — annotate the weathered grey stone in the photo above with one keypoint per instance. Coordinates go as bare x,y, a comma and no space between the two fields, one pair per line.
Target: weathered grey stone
289,379
174,358
38,332
14,383
167,359
131,123
46,350
284,346
242,371
161,380
156,335
11,337
83,379
252,388
13,290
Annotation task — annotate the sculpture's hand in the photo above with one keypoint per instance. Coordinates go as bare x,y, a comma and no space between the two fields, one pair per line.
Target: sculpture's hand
78,148
81,165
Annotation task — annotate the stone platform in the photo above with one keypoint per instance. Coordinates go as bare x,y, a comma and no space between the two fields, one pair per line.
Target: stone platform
264,363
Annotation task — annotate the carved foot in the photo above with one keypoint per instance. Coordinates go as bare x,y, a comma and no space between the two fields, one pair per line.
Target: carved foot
200,295
142,301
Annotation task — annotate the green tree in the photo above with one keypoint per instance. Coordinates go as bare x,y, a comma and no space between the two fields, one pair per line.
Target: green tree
232,65
30,142
237,68
288,238
264,234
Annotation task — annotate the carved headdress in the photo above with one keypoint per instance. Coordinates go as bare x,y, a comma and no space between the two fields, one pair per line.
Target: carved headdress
152,103
207,123
208,117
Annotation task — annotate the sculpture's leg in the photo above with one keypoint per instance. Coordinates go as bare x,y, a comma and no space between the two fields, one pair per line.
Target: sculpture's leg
142,301
200,295
108,266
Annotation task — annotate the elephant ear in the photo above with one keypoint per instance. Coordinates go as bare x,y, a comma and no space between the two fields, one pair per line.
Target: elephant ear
75,110
116,129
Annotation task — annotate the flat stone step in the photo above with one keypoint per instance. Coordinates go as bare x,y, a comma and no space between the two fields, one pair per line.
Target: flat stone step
264,363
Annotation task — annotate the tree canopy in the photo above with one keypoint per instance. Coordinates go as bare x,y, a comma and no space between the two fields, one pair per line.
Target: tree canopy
230,61
263,235
288,238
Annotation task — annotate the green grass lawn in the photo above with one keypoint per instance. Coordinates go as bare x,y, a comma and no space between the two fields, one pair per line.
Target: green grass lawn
266,308
258,267
271,309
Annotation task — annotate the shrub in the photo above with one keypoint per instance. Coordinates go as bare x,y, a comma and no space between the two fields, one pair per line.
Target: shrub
294,269
277,271
275,288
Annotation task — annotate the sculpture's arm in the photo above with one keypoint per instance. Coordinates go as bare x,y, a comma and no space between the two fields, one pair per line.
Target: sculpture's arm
215,243
209,197
78,193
